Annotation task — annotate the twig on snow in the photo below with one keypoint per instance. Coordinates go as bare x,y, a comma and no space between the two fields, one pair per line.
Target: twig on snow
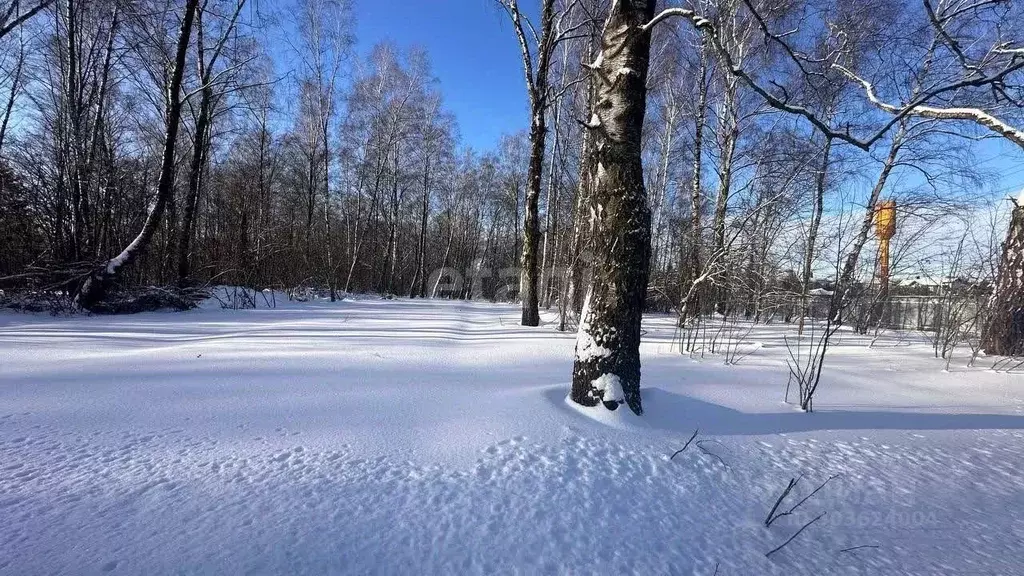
791,538
855,548
700,444
771,513
685,446
772,517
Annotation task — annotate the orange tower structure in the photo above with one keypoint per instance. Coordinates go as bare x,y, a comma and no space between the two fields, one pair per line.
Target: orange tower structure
885,229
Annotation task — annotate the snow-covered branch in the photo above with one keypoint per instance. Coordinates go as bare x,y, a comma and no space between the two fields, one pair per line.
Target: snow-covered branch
918,106
976,115
512,9
671,12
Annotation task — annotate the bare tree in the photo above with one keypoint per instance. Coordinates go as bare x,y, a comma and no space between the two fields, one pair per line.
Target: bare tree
13,14
16,77
537,49
213,85
692,267
95,287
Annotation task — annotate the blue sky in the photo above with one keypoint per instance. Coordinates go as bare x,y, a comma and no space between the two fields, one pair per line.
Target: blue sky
474,54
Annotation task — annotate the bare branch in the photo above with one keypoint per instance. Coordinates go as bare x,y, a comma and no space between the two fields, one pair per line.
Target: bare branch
793,537
8,26
683,449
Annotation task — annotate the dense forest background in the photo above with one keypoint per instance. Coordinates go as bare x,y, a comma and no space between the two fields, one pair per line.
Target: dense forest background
345,173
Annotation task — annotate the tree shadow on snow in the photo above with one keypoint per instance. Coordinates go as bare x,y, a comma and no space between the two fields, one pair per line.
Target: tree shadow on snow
672,412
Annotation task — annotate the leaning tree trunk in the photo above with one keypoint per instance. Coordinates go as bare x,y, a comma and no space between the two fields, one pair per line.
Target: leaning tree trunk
1004,332
197,166
607,368
95,287
844,286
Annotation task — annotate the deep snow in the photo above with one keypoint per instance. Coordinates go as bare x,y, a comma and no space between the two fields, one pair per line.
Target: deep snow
433,437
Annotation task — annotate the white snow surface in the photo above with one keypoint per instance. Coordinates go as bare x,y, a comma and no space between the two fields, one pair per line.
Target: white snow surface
433,437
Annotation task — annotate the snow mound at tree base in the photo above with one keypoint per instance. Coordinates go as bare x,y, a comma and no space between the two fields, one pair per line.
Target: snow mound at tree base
621,418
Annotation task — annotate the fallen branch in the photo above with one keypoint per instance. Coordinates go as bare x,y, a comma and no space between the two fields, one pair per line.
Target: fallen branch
855,548
700,445
797,505
793,537
771,513
685,446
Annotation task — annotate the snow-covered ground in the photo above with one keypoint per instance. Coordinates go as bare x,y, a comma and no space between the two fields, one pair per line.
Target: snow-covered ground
411,437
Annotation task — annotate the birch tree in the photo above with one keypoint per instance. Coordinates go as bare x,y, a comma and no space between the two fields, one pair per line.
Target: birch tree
95,287
326,41
607,365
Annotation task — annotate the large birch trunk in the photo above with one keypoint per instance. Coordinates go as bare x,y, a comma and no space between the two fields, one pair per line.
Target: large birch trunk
607,367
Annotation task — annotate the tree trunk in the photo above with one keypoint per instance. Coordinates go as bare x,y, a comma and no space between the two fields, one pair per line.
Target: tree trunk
95,287
840,298
332,282
728,136
662,179
360,234
391,252
444,259
195,182
1004,331
419,279
691,296
537,88
549,212
570,299
548,264
15,88
812,232
607,366
531,233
